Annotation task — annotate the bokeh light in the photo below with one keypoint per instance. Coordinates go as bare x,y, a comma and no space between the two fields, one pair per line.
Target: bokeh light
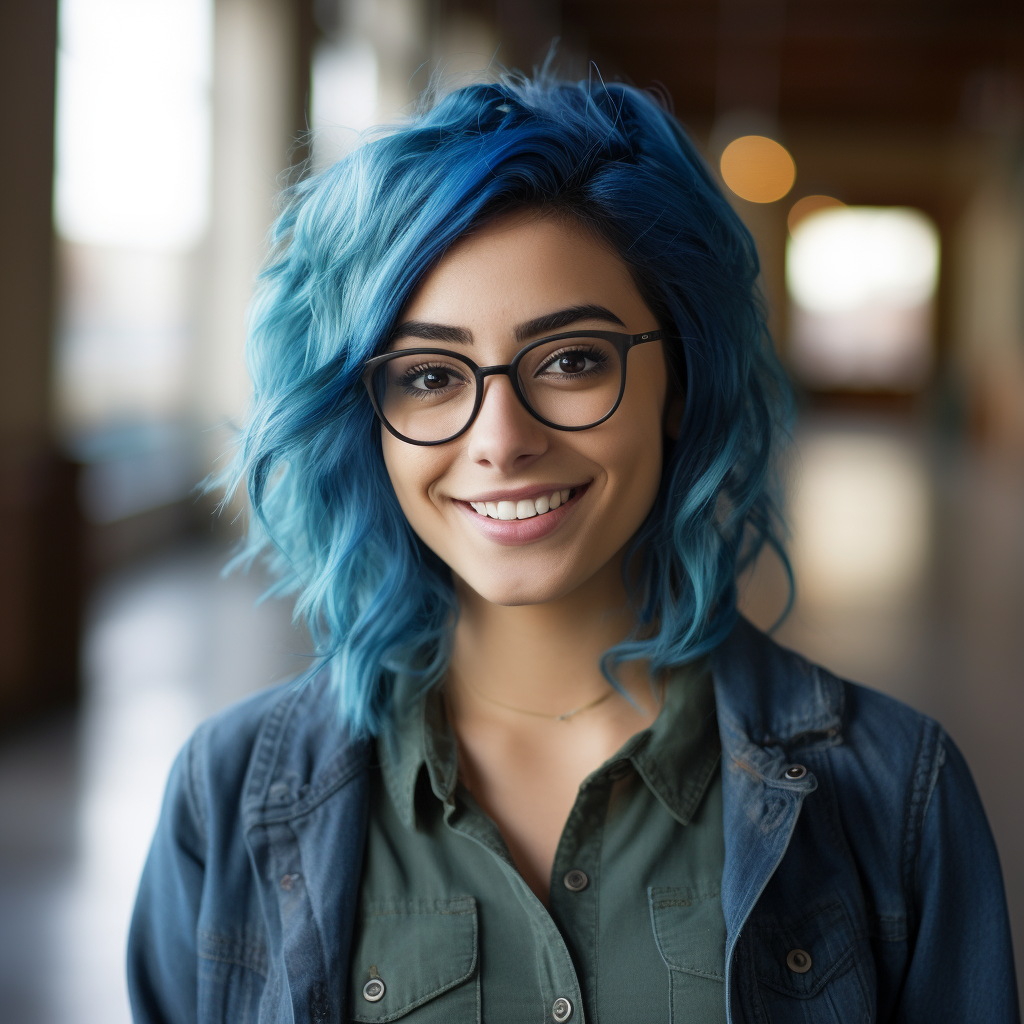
810,204
862,281
861,519
842,259
757,169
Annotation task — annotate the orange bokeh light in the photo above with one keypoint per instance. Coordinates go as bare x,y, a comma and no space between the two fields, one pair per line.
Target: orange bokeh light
757,169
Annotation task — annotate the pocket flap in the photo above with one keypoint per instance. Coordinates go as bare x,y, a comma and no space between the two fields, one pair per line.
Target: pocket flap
799,957
689,928
418,949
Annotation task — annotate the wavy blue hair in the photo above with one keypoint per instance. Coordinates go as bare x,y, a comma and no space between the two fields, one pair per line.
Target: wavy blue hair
349,248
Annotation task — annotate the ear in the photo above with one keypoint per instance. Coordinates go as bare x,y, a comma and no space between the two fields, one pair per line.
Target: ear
672,421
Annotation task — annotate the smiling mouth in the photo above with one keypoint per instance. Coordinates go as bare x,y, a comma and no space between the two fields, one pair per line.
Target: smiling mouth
524,508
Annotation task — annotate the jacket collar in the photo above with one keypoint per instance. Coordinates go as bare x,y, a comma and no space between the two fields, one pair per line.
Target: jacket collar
771,704
304,753
769,697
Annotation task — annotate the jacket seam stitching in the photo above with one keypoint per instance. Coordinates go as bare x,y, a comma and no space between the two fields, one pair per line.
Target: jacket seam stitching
196,807
249,965
919,793
298,810
268,750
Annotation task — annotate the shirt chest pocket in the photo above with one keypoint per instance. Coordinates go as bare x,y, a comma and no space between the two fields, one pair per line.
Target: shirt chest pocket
689,928
807,969
415,961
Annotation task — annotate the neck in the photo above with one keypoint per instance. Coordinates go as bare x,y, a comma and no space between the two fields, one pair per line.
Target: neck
544,657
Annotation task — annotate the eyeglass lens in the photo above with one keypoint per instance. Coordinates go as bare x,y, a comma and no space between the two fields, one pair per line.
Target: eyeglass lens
572,383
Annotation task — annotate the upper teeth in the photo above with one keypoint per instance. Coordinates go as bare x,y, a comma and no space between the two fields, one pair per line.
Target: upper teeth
525,508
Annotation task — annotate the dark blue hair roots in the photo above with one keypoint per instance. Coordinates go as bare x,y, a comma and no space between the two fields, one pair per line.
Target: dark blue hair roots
349,248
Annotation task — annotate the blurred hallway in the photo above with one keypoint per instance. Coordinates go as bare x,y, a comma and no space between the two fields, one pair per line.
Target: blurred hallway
169,642
125,285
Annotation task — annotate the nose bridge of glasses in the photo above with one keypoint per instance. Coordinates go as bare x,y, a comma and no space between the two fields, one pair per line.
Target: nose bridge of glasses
491,371
513,395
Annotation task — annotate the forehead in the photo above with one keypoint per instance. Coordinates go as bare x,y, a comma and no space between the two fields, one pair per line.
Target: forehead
523,265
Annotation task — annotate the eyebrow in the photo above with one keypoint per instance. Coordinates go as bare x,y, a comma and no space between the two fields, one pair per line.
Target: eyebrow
548,323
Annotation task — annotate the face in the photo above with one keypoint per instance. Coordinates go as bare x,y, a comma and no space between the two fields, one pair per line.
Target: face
482,294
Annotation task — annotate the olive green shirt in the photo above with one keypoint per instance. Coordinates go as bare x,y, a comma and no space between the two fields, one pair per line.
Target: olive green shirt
448,930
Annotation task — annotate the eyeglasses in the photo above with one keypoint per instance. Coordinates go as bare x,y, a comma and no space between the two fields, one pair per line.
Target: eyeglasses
569,381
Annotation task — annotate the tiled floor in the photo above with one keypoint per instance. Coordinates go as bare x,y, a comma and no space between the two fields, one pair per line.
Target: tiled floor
915,585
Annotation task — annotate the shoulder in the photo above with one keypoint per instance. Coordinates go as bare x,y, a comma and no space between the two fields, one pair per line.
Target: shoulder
775,697
271,751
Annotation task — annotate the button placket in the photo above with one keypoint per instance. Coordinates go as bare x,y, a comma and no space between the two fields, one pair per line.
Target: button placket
573,900
559,970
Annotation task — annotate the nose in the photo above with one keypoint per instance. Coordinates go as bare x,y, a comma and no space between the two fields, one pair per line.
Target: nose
504,435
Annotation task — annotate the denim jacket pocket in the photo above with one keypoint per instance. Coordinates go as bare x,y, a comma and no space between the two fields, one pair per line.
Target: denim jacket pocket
689,929
415,960
811,958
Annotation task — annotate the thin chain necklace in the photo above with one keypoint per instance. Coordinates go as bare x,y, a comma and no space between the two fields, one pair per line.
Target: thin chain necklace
564,717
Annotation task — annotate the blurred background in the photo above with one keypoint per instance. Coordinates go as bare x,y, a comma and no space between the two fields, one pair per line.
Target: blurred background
875,148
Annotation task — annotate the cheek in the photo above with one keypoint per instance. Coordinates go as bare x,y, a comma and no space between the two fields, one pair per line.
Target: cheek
412,471
406,472
637,440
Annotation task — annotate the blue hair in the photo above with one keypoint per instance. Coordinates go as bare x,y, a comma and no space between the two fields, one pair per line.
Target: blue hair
349,248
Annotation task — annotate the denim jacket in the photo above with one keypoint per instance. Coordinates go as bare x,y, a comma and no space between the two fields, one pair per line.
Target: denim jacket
861,882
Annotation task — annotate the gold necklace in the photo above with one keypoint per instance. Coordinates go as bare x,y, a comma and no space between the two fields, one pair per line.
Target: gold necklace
564,717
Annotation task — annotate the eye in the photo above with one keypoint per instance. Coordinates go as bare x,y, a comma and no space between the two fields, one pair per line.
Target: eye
423,380
432,380
572,362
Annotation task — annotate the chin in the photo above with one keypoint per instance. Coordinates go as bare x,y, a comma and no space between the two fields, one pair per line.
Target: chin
517,590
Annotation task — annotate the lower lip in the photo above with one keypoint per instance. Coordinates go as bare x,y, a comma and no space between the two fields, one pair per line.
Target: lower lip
522,531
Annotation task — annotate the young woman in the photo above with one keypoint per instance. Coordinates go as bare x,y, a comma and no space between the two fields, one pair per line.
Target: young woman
512,438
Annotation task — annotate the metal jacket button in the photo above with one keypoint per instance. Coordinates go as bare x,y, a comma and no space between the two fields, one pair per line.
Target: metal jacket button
796,771
798,961
575,880
373,990
561,1009
288,882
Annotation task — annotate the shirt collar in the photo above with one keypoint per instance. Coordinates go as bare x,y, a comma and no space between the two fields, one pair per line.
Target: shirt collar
676,756
418,737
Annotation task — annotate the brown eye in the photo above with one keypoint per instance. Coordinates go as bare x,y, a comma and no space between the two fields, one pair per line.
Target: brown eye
572,362
434,379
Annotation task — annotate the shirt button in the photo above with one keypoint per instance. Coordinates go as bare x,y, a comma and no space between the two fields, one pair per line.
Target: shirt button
796,771
561,1009
373,990
575,880
798,961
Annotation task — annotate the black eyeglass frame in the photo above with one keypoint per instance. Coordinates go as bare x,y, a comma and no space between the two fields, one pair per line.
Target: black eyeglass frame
621,342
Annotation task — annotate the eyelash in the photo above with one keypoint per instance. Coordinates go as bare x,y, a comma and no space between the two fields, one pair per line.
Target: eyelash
405,381
593,355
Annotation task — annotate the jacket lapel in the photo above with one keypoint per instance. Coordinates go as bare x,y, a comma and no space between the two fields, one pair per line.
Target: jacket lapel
305,820
768,699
